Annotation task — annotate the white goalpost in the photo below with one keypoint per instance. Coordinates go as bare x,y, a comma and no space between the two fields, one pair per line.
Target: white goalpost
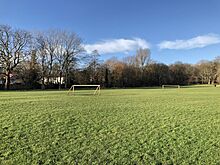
170,86
96,92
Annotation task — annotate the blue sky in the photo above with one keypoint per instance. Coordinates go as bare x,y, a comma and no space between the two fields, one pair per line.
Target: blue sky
118,27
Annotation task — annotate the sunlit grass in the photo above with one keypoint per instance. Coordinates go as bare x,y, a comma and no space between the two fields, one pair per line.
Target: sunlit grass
127,126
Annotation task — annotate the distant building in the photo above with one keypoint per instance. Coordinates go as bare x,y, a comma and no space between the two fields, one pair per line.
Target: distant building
16,80
54,80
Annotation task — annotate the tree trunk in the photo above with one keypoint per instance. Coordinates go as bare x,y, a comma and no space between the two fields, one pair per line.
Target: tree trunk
60,77
7,80
106,77
66,79
42,83
209,82
213,82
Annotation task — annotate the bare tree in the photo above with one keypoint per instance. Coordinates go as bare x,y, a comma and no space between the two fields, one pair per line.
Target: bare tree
29,71
208,71
93,65
142,57
69,47
13,44
130,60
41,45
52,40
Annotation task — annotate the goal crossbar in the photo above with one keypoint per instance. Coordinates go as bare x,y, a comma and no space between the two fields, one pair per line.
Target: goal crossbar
97,90
177,86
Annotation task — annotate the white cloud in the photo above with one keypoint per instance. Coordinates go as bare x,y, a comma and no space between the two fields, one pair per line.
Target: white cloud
117,45
196,42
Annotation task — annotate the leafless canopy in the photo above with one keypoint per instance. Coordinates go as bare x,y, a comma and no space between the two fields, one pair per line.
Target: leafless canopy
13,44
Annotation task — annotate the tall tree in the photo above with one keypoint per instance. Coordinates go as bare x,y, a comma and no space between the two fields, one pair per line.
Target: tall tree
52,40
41,46
208,71
143,57
93,65
142,60
69,47
179,73
29,71
13,47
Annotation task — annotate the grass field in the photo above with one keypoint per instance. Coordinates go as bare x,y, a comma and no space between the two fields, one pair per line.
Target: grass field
127,126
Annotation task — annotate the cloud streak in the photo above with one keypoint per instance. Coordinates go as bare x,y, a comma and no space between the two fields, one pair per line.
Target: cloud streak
196,42
117,45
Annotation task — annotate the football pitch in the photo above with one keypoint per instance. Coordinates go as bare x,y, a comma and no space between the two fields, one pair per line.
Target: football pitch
121,126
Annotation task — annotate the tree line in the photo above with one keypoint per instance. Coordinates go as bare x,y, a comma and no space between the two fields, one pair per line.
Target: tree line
57,59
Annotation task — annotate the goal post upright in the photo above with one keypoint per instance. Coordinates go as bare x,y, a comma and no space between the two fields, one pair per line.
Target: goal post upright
71,89
97,90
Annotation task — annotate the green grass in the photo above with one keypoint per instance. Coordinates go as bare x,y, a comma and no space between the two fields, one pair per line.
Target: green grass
127,126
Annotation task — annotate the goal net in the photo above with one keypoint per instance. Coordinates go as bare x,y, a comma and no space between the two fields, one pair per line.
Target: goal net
85,89
170,86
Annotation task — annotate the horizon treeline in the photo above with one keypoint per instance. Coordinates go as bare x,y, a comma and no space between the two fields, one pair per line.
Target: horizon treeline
56,59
